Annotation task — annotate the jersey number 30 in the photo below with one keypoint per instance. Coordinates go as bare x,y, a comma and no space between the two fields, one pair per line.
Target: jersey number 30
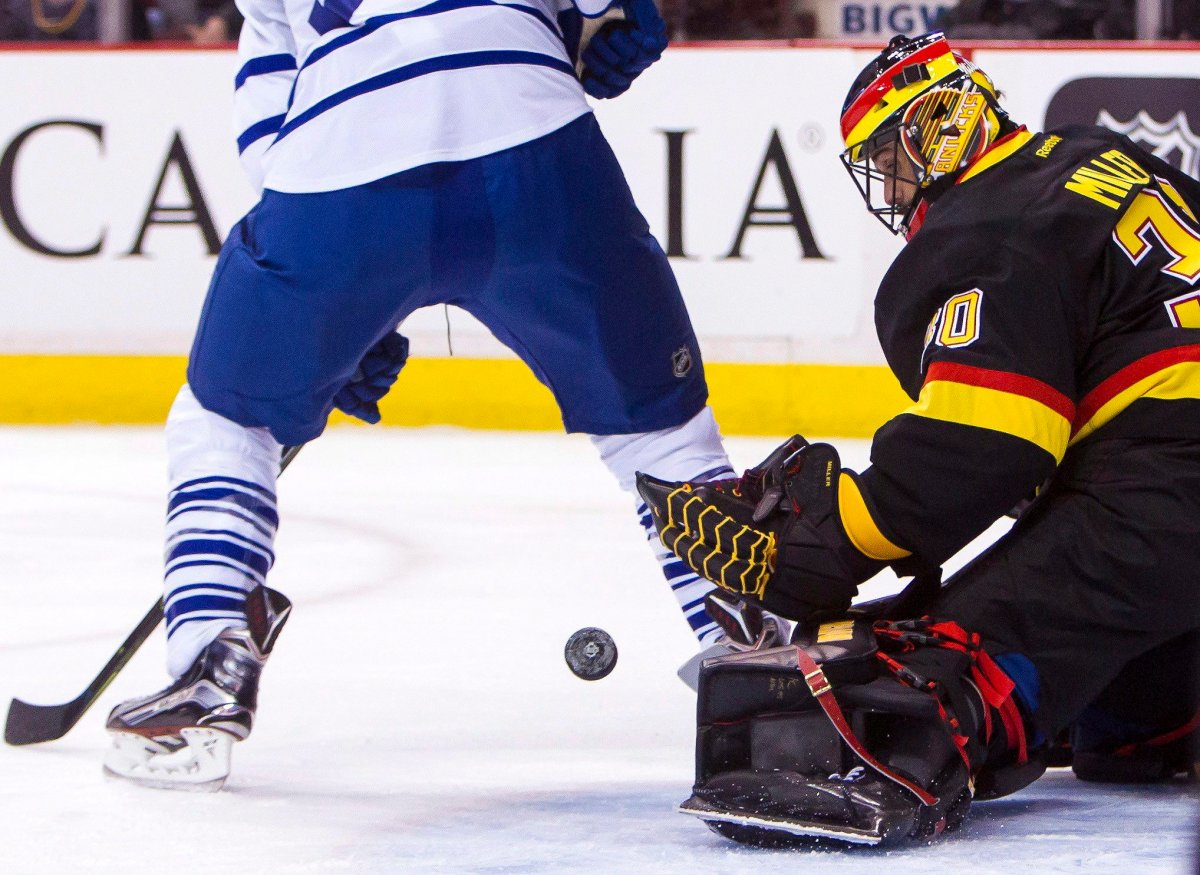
1148,213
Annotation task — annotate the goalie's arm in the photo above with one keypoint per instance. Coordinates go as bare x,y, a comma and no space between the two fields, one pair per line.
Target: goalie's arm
935,484
993,381
975,444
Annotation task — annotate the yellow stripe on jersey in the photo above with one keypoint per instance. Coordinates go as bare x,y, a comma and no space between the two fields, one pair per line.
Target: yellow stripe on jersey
995,410
1172,383
996,154
860,526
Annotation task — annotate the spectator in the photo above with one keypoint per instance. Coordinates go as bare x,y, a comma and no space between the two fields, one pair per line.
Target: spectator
44,20
1036,19
204,22
736,19
1185,20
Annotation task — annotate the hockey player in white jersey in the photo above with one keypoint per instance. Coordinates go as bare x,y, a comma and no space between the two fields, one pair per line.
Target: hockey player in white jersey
409,153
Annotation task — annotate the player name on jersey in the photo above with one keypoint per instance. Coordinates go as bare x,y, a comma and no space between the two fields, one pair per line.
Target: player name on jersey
1113,173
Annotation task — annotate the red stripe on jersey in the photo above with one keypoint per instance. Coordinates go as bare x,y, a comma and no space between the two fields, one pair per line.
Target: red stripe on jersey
1130,374
1003,381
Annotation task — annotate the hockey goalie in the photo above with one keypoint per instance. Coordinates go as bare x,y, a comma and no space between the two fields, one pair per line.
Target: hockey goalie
1044,317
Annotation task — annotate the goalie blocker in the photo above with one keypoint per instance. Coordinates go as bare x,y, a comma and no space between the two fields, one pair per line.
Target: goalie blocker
858,732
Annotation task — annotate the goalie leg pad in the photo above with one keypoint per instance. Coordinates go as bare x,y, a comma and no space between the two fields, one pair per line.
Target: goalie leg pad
832,739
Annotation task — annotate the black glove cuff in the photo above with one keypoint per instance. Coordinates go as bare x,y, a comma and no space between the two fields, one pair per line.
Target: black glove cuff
817,569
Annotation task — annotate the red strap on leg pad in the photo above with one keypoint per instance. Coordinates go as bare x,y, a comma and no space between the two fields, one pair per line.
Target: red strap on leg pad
822,691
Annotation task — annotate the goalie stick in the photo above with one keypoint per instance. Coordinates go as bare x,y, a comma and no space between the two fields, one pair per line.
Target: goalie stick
33,724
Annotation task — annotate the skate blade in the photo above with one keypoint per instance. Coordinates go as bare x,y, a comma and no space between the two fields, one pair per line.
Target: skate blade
689,672
801,828
200,765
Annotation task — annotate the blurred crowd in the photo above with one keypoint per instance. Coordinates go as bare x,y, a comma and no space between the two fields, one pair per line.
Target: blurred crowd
203,22
1064,19
738,19
965,19
216,21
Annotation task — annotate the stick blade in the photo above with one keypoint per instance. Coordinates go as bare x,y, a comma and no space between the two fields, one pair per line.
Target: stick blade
33,724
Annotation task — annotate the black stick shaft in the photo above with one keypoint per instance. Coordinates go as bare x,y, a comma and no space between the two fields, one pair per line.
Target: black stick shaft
31,724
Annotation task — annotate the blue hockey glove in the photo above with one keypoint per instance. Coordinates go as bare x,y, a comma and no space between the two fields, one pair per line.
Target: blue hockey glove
375,375
621,50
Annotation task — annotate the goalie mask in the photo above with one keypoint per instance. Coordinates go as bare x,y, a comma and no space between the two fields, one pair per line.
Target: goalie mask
915,117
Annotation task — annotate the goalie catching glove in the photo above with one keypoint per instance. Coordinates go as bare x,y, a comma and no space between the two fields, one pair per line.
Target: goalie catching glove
775,535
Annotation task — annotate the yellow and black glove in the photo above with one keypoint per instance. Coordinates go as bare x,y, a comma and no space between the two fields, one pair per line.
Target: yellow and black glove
773,536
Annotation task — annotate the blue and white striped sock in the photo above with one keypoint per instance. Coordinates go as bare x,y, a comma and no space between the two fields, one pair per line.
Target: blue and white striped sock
221,522
690,451
220,532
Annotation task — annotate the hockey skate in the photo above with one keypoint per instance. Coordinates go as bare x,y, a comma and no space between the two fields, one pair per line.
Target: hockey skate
181,738
744,626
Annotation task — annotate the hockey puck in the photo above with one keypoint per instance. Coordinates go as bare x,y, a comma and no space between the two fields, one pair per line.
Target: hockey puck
590,653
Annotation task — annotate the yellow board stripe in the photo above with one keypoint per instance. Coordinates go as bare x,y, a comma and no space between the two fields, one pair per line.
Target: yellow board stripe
765,399
1172,383
996,410
860,526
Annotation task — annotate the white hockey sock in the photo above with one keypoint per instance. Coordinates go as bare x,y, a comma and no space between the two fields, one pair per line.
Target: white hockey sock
221,522
692,451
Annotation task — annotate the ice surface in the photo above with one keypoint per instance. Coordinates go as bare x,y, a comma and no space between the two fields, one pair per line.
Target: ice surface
417,715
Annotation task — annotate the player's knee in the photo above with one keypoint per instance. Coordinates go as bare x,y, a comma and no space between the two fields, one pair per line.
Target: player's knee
200,442
691,451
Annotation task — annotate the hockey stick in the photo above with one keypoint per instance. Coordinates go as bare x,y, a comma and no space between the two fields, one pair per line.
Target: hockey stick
32,724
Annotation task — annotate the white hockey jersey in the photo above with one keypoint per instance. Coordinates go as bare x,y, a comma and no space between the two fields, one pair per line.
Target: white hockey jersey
336,93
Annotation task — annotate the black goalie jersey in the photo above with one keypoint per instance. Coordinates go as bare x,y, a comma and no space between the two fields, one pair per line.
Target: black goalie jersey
1050,299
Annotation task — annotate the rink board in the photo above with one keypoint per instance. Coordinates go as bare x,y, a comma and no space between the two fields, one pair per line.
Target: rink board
473,393
118,178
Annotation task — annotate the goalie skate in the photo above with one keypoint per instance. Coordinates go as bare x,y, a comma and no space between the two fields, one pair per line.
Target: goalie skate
181,737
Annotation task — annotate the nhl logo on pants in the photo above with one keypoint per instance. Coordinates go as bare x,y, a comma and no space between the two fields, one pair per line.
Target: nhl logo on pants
681,361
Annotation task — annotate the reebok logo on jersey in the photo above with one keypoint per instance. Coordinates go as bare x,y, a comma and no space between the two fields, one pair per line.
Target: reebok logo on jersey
1048,146
1113,173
